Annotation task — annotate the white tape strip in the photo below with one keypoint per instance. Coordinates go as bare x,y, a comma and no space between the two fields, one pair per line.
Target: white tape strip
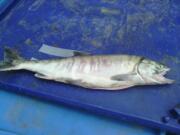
55,51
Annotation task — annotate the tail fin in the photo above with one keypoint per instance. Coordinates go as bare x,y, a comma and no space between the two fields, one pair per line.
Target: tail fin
11,60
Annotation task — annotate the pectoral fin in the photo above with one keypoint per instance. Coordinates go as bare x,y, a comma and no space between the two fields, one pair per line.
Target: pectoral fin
123,77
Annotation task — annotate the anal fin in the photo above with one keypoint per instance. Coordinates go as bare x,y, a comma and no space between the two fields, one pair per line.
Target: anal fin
41,76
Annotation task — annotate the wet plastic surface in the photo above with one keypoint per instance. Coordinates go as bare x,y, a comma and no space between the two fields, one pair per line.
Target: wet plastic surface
47,119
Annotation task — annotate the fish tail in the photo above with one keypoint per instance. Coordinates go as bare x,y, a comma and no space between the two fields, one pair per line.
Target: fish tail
11,60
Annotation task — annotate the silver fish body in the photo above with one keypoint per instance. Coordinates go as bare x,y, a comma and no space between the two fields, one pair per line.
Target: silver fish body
108,72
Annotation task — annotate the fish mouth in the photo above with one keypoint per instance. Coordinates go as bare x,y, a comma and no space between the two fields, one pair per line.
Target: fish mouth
161,79
164,72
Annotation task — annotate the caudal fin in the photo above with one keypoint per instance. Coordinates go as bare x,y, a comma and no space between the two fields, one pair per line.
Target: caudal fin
11,60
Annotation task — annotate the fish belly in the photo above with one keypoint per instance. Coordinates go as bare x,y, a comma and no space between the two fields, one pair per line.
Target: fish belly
96,72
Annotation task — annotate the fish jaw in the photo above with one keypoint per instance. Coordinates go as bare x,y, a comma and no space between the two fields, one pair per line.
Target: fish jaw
161,79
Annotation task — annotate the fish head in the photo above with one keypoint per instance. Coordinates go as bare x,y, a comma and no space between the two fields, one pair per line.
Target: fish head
154,72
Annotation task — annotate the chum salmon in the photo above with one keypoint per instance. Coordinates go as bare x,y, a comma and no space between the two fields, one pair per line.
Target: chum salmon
106,72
